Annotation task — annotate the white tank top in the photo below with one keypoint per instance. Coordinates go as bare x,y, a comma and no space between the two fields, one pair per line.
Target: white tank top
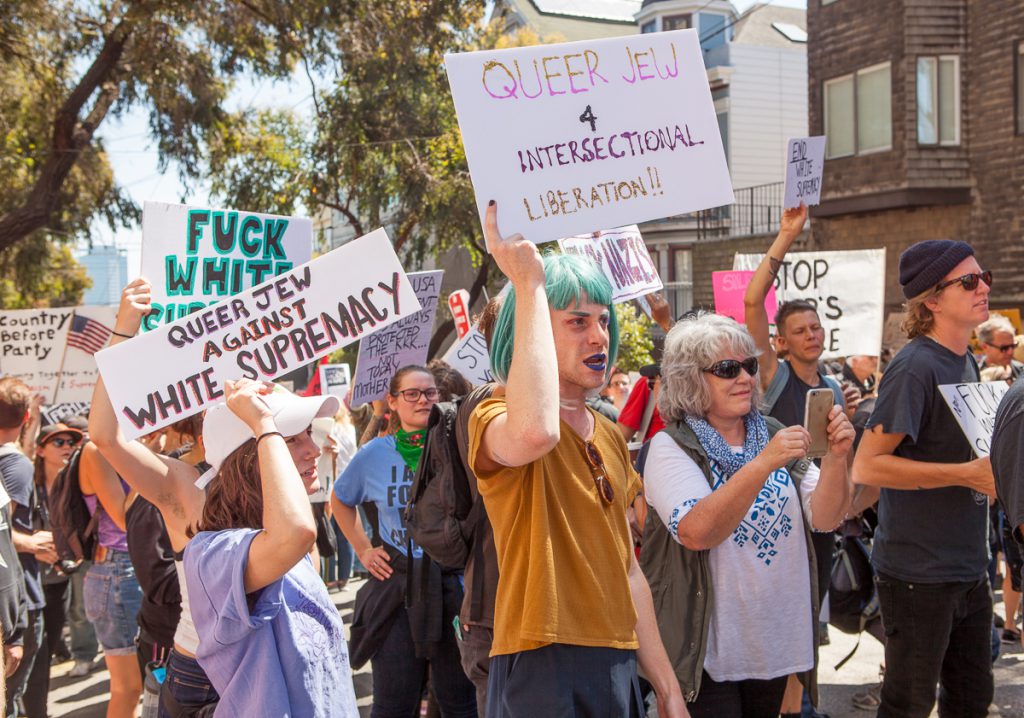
185,635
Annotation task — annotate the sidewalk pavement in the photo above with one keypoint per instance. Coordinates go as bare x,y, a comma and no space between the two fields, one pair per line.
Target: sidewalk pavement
87,697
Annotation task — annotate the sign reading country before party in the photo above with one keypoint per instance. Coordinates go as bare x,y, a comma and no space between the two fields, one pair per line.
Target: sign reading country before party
196,256
573,137
179,369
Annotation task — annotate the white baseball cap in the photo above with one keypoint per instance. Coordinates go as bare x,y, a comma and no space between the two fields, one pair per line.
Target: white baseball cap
223,431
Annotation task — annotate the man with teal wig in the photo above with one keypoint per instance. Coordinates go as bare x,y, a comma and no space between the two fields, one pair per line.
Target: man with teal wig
573,615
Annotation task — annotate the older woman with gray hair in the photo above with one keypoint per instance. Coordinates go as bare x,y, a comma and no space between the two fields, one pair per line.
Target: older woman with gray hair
727,547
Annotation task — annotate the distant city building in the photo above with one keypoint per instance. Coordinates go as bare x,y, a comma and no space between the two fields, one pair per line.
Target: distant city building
108,268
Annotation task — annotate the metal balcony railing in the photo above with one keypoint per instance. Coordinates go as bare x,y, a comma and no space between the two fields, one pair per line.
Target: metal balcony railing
757,210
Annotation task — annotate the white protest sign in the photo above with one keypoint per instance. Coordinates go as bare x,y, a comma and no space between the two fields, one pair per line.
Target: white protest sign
572,137
404,342
469,357
848,288
34,347
622,256
179,369
458,305
335,379
56,413
974,405
805,165
196,256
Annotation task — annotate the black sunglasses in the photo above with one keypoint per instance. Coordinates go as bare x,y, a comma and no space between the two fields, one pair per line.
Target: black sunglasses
60,441
730,368
1005,347
968,281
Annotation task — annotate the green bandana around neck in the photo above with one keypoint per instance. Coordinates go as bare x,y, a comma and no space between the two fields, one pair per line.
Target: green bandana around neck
410,446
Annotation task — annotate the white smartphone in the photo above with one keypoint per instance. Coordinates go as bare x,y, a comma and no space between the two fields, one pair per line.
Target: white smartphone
816,410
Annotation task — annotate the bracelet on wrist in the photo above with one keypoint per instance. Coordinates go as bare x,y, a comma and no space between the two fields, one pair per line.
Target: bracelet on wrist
119,334
265,434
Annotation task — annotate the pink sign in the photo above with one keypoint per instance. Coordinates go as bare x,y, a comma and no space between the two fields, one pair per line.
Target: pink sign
729,288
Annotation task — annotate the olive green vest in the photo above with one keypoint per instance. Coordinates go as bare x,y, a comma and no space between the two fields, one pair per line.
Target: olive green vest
680,580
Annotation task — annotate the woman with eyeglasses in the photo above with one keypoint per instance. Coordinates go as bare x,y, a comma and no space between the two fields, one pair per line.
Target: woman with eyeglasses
401,643
727,547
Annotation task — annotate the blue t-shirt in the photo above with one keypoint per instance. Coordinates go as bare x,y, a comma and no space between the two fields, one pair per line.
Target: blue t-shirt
278,652
17,473
378,474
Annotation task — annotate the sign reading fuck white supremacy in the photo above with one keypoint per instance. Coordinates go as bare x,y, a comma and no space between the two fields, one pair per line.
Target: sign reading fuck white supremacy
575,137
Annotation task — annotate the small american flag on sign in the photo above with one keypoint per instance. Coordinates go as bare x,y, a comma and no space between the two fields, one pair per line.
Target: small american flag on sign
88,335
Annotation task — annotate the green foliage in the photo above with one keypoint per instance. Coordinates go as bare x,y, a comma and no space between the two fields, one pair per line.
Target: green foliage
39,273
635,343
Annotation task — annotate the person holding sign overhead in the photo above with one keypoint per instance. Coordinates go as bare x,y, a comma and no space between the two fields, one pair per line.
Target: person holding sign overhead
931,546
574,614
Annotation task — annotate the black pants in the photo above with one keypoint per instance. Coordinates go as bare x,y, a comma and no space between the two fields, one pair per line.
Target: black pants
738,699
560,681
30,684
937,633
58,600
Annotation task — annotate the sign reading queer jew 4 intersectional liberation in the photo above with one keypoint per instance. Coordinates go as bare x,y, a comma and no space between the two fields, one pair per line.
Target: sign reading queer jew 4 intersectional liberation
805,165
196,256
572,137
284,323
974,405
404,342
622,256
848,288
470,358
52,350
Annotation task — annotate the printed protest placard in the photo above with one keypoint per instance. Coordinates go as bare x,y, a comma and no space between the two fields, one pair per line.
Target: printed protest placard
335,379
286,322
196,256
469,357
56,413
572,137
848,288
622,256
805,165
404,342
974,405
729,288
458,305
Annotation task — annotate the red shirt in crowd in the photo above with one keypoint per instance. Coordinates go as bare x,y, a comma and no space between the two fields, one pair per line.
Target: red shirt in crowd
632,414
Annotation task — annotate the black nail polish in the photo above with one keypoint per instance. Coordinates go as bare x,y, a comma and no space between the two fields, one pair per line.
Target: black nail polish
491,203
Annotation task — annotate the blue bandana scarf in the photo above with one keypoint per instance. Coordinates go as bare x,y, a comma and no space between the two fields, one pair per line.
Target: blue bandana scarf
720,451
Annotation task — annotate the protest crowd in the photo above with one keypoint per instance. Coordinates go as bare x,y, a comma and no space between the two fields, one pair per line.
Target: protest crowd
561,537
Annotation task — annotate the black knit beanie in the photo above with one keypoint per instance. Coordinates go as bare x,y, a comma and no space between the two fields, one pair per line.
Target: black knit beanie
924,264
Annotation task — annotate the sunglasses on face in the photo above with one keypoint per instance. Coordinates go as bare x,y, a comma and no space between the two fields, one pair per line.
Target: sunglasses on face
413,395
730,368
1005,347
599,472
60,442
968,281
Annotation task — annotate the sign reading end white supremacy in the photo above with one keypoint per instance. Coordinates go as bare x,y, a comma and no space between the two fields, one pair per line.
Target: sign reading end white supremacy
573,137
179,369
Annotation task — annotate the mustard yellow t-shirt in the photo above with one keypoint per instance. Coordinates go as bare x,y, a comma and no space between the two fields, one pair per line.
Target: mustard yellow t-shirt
563,553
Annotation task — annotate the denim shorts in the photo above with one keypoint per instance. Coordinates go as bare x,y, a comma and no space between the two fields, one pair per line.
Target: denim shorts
112,601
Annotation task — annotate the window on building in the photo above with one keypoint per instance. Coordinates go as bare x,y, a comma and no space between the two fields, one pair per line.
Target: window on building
649,26
679,291
713,30
938,100
858,112
675,22
1019,79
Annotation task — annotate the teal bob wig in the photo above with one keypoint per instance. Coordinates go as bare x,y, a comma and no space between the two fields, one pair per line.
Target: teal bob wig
570,279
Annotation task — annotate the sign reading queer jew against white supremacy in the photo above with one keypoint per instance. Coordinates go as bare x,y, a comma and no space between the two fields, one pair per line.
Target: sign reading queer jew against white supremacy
179,369
404,342
470,358
196,256
805,165
622,256
35,347
974,405
335,379
572,137
848,288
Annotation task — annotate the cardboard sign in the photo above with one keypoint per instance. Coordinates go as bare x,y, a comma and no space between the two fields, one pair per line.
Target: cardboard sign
848,288
805,165
571,137
622,256
403,343
729,288
34,346
335,379
974,405
196,256
286,322
458,305
470,358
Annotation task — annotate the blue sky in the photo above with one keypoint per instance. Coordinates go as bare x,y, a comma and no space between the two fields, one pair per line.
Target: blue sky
133,154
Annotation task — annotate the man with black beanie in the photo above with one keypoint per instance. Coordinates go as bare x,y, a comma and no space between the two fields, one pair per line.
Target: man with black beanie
931,545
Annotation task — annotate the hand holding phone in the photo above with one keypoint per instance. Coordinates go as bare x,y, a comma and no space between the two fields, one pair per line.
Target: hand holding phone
818,405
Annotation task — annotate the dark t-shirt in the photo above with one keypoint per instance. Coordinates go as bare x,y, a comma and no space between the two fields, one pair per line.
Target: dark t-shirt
928,535
153,560
1008,455
16,471
12,584
792,402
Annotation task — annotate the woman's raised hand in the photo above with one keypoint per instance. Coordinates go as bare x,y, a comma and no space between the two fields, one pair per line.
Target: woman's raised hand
243,398
517,257
787,444
136,300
